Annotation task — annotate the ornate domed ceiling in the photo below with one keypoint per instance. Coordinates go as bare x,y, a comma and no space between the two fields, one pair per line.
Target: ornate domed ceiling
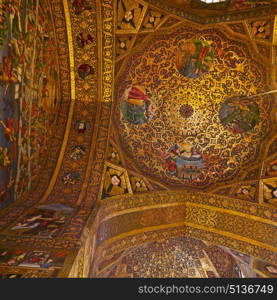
182,257
111,145
180,111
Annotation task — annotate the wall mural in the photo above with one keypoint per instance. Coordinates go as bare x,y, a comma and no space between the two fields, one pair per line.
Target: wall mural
116,181
46,220
137,105
181,108
194,58
29,94
31,258
32,263
246,191
239,115
269,191
55,225
184,161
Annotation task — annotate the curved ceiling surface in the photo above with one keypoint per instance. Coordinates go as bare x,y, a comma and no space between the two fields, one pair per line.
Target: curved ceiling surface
180,109
180,257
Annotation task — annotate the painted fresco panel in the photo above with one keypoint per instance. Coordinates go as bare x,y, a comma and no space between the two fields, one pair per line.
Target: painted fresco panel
29,94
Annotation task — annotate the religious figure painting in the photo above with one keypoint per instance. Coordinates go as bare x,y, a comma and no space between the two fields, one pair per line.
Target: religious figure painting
138,184
85,70
41,222
137,105
79,6
78,152
84,39
81,126
31,258
29,92
115,181
113,154
184,161
247,191
269,191
239,115
194,58
71,178
205,107
4,157
271,168
114,184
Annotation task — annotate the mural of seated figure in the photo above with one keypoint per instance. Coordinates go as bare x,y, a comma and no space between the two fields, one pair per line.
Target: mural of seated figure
184,161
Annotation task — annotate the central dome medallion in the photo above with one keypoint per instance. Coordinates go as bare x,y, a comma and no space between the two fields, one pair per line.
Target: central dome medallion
186,111
179,111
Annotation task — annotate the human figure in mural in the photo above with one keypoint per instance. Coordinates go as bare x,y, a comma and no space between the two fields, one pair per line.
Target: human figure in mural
9,129
29,222
31,258
239,116
184,161
246,192
78,152
13,9
114,184
3,29
81,126
41,222
84,39
9,68
80,6
12,257
16,260
4,255
271,169
29,87
4,157
137,105
7,75
114,155
271,269
71,178
85,70
194,58
38,258
17,55
138,184
270,194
